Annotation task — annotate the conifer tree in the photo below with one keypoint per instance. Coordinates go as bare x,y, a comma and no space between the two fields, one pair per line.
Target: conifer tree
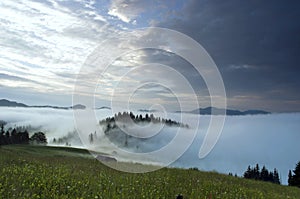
264,174
256,172
290,178
276,178
295,178
247,173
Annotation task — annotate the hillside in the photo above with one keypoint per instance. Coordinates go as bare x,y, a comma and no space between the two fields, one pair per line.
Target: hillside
54,172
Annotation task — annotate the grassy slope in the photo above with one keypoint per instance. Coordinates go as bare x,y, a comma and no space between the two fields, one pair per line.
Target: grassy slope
54,172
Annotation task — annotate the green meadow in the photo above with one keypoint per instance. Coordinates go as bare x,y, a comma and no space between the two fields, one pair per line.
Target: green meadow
58,172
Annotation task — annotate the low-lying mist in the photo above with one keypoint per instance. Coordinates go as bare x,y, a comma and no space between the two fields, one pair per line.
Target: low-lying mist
271,140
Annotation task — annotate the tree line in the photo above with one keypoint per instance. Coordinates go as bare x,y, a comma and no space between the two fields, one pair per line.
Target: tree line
127,117
273,176
263,174
294,177
20,135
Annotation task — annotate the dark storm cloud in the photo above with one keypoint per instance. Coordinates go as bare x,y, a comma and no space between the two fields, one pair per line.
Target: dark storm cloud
255,44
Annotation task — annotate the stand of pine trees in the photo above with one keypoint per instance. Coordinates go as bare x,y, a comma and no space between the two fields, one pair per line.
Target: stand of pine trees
127,117
294,179
263,174
13,137
20,135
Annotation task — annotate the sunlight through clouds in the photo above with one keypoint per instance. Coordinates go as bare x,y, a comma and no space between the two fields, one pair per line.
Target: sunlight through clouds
39,40
45,43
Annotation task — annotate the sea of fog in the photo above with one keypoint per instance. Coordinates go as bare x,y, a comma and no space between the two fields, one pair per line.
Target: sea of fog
270,140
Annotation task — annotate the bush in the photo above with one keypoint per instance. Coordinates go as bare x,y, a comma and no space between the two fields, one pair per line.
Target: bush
38,138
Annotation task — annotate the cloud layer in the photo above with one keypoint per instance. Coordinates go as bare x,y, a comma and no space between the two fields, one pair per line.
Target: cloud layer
270,140
254,44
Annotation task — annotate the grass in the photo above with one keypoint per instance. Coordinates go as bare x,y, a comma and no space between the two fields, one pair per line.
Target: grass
57,172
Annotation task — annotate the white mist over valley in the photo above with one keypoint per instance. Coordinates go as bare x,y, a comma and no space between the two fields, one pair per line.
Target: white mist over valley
271,140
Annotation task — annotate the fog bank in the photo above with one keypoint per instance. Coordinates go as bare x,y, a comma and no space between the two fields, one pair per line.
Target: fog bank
271,140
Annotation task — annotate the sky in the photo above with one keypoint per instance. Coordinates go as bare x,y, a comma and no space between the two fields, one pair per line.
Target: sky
255,46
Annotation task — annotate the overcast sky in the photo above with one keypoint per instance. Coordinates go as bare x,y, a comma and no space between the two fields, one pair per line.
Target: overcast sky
255,45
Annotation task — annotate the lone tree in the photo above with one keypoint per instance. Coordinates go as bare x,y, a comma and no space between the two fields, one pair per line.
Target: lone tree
290,178
38,138
2,124
276,178
294,180
91,137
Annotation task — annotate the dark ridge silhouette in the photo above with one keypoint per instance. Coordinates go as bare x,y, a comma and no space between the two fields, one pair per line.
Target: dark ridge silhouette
77,106
7,103
218,111
103,107
147,111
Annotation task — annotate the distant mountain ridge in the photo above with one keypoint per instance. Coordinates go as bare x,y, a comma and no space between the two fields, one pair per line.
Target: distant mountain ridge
202,111
103,107
147,111
218,111
7,103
